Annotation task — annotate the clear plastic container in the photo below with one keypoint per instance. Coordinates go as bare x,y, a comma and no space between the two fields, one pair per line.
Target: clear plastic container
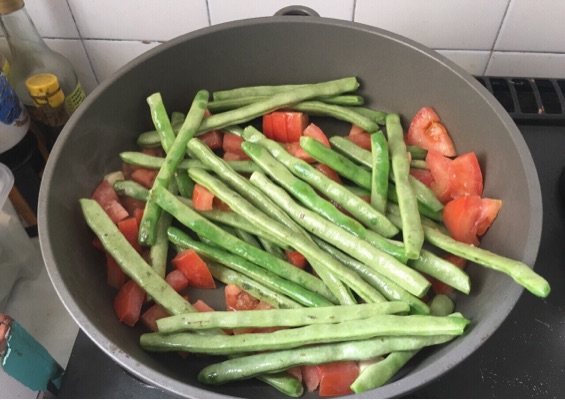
19,256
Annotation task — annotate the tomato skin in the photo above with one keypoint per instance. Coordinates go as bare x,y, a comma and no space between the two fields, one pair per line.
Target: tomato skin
194,269
310,377
297,151
465,176
296,122
232,144
438,166
330,173
279,127
218,204
314,131
115,277
202,198
360,137
460,217
201,306
128,303
131,204
106,196
130,229
489,212
177,280
212,139
268,126
145,177
337,377
296,259
423,175
427,131
151,315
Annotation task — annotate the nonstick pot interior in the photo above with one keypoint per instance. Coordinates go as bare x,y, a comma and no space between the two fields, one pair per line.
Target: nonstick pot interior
396,75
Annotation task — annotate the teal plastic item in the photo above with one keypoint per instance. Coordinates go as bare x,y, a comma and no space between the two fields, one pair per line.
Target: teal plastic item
27,361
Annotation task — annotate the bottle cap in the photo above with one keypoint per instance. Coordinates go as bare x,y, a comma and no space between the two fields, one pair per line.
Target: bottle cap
9,6
44,89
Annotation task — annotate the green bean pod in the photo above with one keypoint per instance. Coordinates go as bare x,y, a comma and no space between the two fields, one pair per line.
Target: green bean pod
351,150
381,372
380,171
341,113
376,326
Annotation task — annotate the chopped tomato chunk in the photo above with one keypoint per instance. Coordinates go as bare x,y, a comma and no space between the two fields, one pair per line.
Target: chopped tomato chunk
153,313
296,122
131,204
130,229
195,269
106,196
145,177
153,151
489,211
297,151
465,176
296,259
284,126
310,377
232,144
438,166
115,277
315,132
362,140
423,175
427,131
212,139
201,306
235,156
330,173
177,280
296,372
128,303
202,199
218,204
337,377
237,299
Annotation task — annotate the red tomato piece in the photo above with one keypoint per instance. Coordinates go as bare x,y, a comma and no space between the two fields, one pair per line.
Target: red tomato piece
296,372
212,139
356,130
237,299
177,280
279,127
138,214
151,315
438,166
97,244
465,177
218,204
337,377
232,144
145,177
297,151
296,122
423,175
330,173
195,269
202,199
127,169
106,196
268,126
201,306
131,204
153,151
460,217
130,229
235,157
128,303
489,211
315,132
296,259
310,377
115,277
362,140
427,131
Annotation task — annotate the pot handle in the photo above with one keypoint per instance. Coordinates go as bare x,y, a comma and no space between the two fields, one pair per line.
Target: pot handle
297,10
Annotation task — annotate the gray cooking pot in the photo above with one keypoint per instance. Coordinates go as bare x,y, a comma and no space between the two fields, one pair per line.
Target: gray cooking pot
396,75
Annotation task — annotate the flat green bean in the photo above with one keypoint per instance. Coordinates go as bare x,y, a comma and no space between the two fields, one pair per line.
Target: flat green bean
380,171
412,232
383,263
283,318
351,150
235,102
131,189
376,326
381,372
341,113
252,365
377,116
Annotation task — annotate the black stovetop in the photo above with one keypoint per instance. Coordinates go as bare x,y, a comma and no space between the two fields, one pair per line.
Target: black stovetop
524,358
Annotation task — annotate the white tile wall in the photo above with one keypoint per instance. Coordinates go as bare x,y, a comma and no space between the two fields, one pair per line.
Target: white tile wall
440,24
108,56
230,10
498,37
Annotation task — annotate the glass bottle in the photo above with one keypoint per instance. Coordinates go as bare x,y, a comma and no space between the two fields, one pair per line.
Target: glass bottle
44,80
20,153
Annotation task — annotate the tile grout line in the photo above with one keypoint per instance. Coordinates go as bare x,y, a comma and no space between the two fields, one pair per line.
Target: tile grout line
354,10
497,36
208,10
82,43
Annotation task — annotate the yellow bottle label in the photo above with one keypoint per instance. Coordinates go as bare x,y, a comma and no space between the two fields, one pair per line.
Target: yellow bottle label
74,99
6,68
44,90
